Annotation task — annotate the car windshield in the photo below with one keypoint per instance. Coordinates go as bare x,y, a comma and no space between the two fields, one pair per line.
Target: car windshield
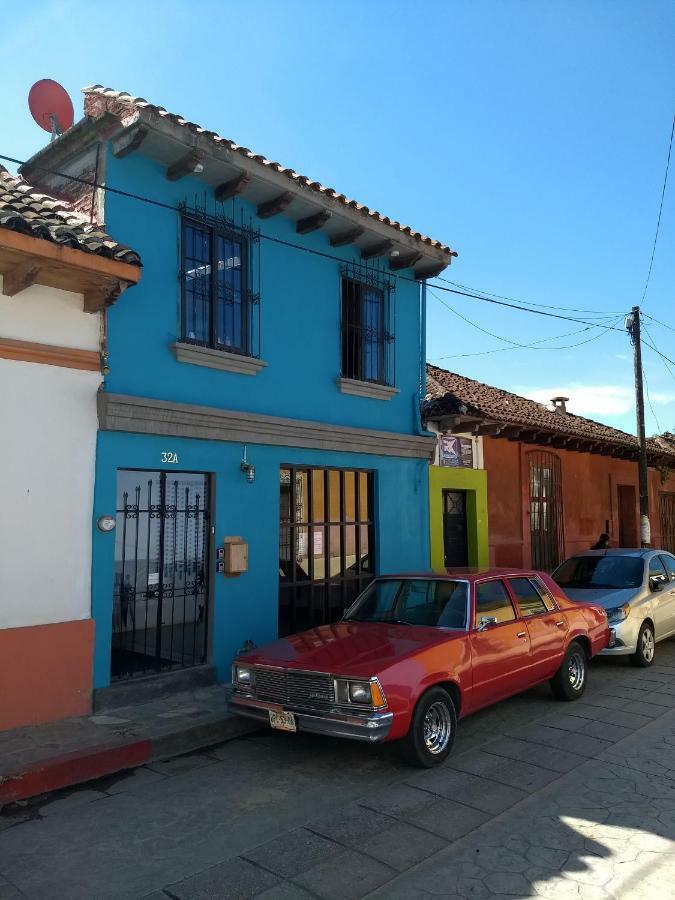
615,572
413,601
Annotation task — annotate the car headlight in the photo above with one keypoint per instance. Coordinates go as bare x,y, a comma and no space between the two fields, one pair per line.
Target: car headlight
618,613
242,675
361,693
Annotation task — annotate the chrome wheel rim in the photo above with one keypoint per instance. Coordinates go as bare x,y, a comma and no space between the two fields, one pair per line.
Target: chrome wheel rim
437,727
648,644
576,671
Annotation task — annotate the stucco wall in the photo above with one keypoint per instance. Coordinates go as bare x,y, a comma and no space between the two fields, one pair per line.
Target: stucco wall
48,417
49,316
300,314
590,485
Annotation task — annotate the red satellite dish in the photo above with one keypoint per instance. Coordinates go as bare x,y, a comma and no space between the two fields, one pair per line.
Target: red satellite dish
50,106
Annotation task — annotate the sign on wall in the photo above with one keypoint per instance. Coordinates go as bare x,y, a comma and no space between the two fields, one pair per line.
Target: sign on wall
456,452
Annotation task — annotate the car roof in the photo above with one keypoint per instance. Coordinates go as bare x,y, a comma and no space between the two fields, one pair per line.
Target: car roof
467,573
620,551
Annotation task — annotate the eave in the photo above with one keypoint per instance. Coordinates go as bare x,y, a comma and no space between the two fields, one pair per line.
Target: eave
230,173
26,260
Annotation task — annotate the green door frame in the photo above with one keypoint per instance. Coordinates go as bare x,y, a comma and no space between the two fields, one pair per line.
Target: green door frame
474,482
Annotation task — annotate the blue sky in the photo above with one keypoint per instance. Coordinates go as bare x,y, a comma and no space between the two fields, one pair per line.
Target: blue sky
531,136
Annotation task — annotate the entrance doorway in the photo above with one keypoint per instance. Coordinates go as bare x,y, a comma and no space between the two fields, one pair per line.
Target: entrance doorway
667,516
628,533
547,533
326,544
161,591
455,544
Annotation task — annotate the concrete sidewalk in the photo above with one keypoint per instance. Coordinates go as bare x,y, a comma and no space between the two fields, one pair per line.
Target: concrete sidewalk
44,758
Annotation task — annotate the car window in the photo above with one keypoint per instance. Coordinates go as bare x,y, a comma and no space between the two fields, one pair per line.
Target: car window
597,572
656,567
669,563
492,599
546,595
413,601
529,599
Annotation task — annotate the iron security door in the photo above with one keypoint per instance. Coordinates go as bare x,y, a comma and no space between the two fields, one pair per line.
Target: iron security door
454,529
546,511
160,600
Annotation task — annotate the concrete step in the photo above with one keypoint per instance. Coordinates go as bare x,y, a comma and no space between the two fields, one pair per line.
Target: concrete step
151,687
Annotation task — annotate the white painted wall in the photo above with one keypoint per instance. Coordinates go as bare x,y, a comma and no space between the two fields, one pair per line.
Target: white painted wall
47,454
48,316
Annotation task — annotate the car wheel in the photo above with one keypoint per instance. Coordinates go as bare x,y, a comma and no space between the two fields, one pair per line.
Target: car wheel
432,730
646,647
569,682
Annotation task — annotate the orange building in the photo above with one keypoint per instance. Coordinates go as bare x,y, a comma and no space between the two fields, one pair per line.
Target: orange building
555,480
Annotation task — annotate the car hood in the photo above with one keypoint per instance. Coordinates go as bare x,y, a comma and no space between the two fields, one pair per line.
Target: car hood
359,649
607,597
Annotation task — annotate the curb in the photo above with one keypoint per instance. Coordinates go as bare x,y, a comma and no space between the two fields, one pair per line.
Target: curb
69,769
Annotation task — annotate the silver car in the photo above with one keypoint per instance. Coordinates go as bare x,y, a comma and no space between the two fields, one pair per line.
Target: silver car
636,587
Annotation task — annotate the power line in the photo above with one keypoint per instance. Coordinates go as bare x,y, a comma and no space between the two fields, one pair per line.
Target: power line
649,400
331,257
530,302
659,322
514,345
658,221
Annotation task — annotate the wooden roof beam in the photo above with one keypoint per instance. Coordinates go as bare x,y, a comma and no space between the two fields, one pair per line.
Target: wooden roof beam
431,270
347,237
383,248
232,187
128,141
20,277
190,164
275,206
405,260
313,223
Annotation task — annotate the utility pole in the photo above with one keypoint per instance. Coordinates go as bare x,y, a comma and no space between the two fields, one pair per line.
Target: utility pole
633,327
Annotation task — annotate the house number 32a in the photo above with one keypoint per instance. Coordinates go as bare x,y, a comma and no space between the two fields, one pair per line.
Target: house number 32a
168,456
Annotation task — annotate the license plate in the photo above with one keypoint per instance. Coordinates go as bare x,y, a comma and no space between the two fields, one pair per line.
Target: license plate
284,721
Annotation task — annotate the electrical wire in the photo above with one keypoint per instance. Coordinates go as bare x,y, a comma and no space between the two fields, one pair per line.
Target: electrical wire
657,321
658,221
649,401
331,257
515,345
529,302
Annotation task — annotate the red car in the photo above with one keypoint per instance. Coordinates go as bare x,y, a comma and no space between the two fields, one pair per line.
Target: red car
416,652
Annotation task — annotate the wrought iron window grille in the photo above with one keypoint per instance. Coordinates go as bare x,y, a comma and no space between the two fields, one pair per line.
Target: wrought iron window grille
368,340
221,312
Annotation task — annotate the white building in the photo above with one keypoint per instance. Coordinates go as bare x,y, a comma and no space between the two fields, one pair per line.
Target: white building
57,275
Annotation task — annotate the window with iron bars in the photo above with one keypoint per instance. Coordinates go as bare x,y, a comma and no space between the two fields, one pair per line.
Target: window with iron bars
367,327
217,303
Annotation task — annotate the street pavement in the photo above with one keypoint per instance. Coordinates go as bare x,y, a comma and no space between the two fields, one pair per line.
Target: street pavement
539,799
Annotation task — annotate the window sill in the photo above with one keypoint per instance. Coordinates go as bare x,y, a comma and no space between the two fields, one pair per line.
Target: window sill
366,389
217,359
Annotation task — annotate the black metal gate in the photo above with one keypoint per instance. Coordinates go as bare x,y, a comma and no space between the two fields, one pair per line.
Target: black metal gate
547,532
455,543
160,599
667,516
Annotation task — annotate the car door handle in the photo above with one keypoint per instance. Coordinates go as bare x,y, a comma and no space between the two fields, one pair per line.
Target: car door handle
561,624
522,634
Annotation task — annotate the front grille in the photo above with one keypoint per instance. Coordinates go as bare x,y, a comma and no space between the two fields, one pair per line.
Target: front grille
293,688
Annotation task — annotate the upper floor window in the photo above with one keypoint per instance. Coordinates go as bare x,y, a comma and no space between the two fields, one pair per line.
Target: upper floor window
367,337
216,302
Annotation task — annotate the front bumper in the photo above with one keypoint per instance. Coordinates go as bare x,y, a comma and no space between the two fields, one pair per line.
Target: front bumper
367,726
623,641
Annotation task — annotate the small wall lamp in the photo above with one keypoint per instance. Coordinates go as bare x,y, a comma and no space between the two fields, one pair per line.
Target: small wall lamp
105,523
247,468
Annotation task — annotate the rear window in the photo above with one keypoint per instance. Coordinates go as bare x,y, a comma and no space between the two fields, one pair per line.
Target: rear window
529,599
492,600
597,572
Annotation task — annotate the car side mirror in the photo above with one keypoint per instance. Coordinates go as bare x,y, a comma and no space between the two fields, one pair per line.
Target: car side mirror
656,581
485,622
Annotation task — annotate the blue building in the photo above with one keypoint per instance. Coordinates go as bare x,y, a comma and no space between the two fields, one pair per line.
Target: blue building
260,453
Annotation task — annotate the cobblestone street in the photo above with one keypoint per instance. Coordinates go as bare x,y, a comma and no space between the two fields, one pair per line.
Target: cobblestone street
539,799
